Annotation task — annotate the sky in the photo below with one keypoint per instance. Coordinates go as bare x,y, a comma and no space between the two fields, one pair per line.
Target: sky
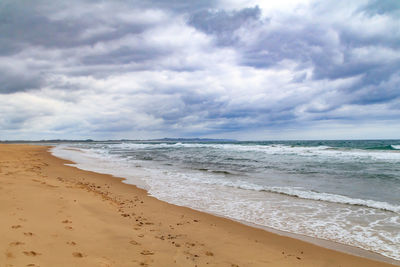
247,70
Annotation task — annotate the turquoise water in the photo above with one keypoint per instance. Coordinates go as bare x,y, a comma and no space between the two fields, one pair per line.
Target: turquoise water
344,191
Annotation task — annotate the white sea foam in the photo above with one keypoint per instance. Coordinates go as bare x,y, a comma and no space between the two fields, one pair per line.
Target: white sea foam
395,147
334,198
305,194
277,149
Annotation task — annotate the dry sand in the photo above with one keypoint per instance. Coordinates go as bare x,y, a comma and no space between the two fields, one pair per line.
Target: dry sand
56,215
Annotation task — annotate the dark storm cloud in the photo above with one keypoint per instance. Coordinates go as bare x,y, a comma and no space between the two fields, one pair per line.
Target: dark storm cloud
303,41
329,48
23,23
61,24
12,82
374,7
124,55
308,42
223,23
178,5
44,24
70,30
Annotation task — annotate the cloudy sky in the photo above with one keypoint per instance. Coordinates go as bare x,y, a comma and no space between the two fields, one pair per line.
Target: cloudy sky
288,69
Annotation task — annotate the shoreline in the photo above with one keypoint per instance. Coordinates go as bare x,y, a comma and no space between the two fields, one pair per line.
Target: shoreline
326,243
180,236
329,244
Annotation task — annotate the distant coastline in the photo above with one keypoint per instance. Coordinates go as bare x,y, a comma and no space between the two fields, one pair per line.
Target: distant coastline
166,139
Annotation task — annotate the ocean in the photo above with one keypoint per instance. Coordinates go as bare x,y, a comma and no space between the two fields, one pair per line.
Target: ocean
342,191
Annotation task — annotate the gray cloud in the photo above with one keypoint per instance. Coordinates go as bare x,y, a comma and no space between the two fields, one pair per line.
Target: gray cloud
374,7
139,69
14,82
331,48
224,23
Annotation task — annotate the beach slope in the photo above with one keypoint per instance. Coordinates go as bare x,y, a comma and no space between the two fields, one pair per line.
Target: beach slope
56,215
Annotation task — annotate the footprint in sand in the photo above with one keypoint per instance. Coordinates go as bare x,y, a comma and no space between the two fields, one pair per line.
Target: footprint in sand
209,253
147,252
68,228
133,242
17,243
66,221
77,255
16,226
188,244
31,253
9,255
72,243
28,234
160,237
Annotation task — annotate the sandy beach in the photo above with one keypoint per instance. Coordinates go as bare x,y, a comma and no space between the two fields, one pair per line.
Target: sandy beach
57,215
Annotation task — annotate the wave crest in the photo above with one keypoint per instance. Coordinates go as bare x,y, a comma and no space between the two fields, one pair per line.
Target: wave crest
313,195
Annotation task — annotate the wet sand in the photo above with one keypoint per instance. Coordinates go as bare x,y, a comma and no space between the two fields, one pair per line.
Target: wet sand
56,215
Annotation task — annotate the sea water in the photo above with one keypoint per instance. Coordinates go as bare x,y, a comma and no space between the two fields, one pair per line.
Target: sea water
343,191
